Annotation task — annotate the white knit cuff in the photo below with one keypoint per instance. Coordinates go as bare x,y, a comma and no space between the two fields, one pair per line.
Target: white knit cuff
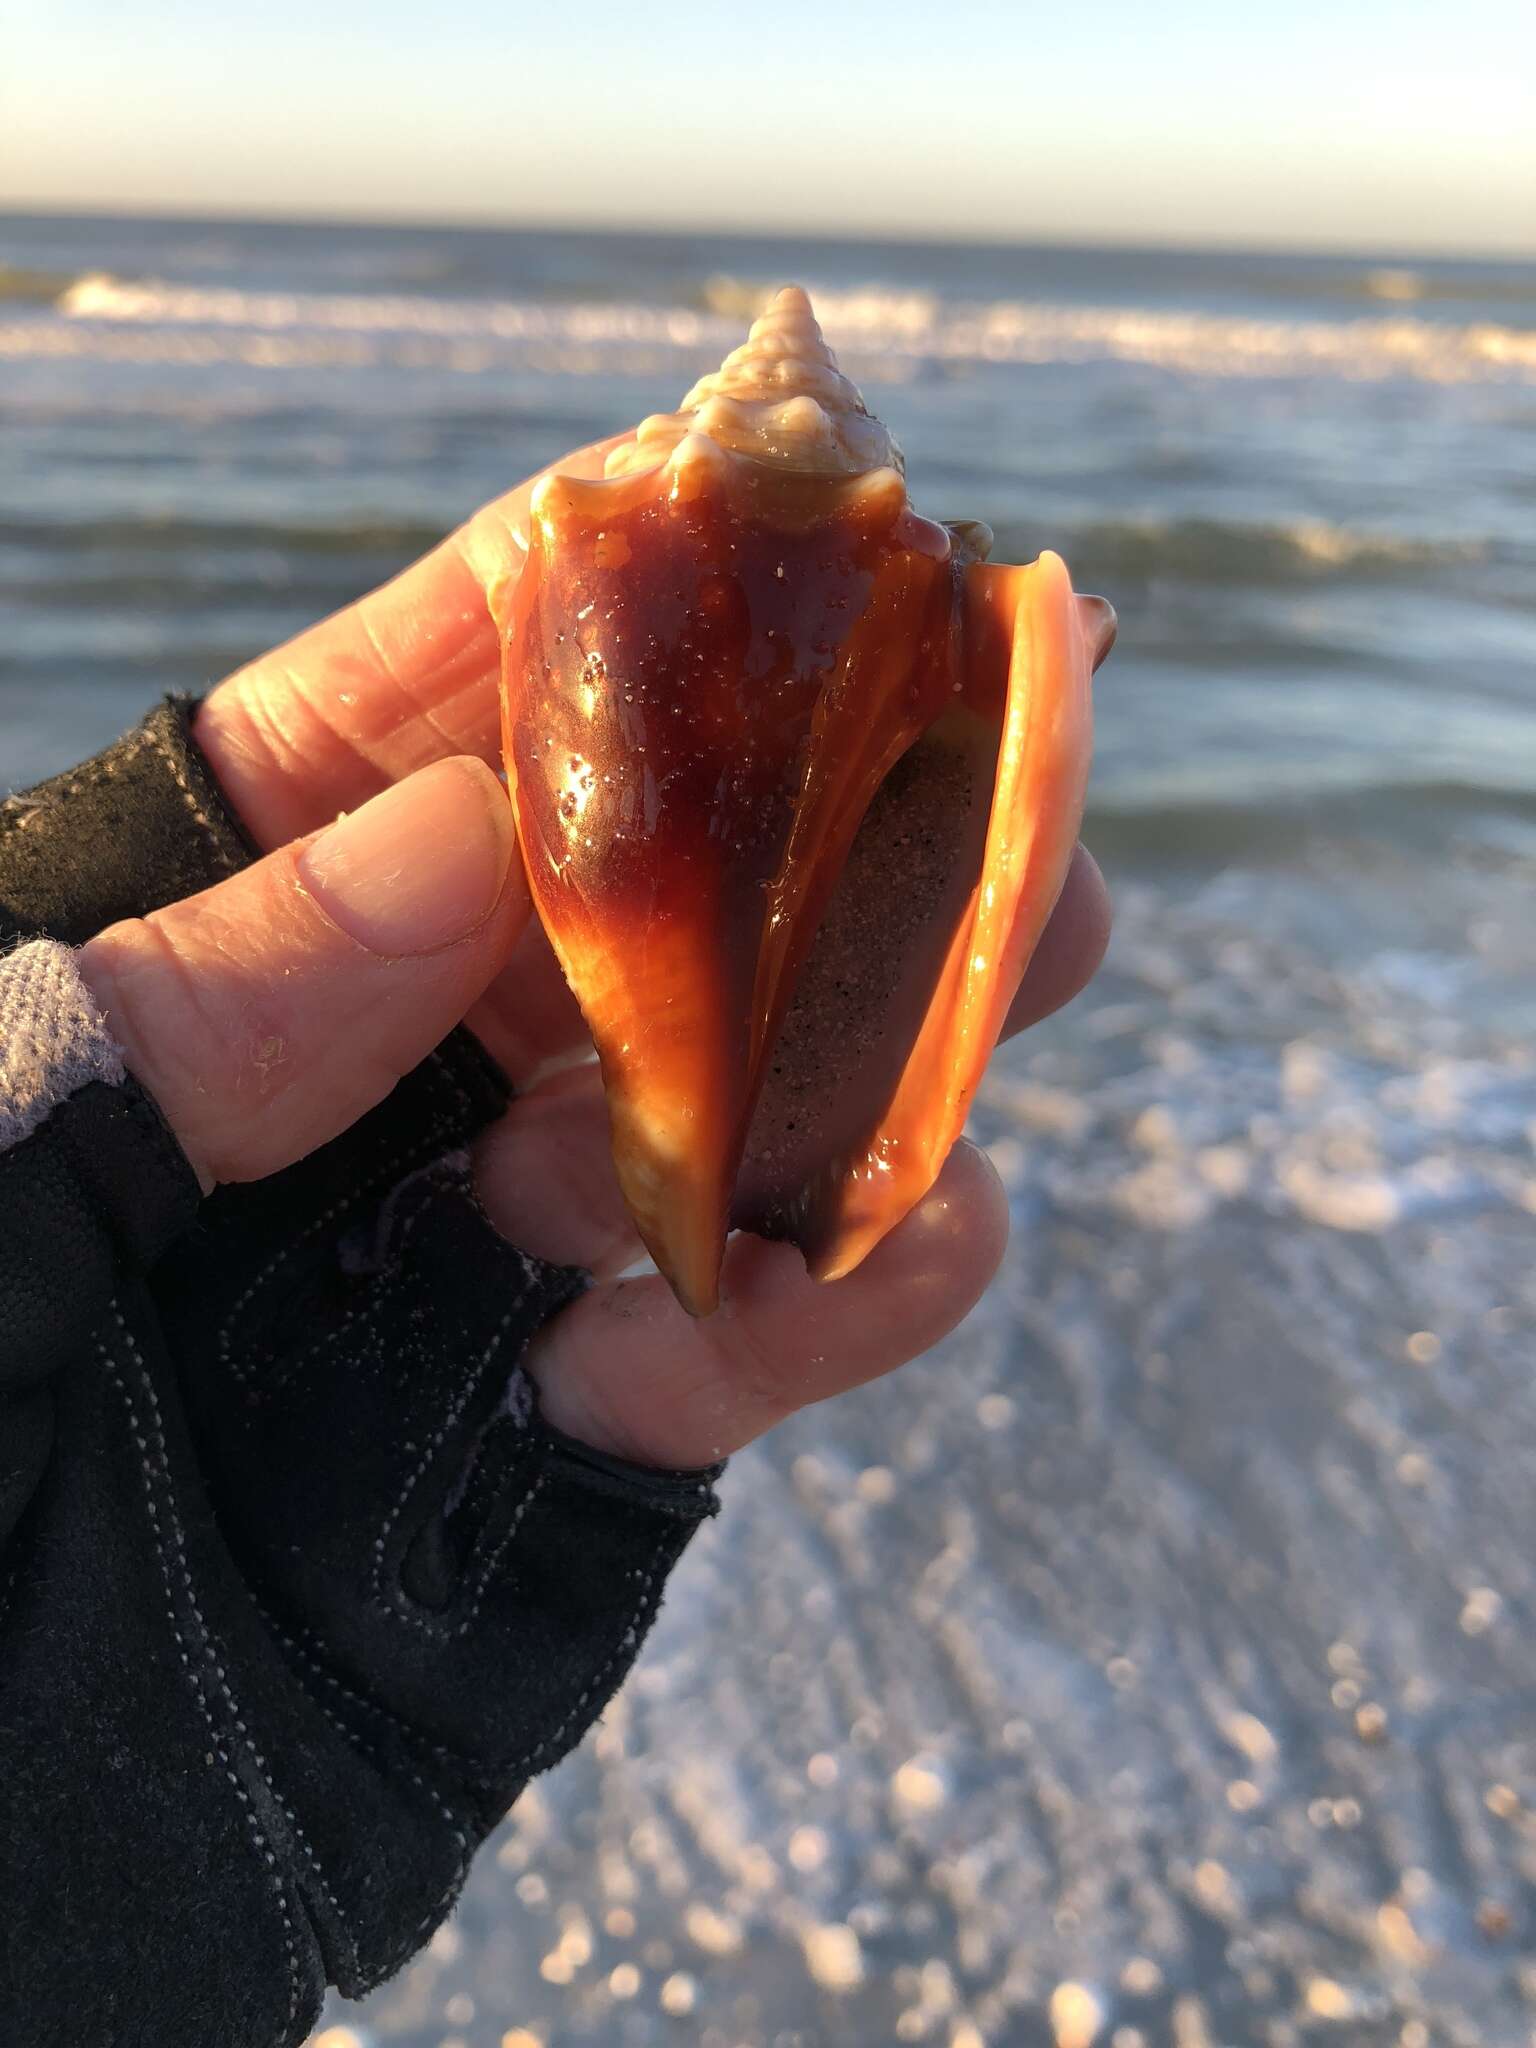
53,1038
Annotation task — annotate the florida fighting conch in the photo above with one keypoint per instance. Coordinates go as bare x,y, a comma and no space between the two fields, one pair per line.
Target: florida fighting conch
797,776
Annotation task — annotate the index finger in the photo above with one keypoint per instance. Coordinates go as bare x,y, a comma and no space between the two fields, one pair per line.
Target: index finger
405,676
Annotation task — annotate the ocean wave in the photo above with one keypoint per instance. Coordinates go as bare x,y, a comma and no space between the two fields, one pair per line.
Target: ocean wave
1118,552
1269,828
81,537
100,296
1400,284
885,333
1306,551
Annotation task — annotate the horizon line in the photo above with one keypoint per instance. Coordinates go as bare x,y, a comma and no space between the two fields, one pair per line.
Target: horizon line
673,231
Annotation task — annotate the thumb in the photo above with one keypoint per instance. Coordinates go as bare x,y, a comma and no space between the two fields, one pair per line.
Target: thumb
267,1014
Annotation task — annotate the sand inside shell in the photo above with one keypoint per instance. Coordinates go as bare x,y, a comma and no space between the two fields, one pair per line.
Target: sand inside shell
864,987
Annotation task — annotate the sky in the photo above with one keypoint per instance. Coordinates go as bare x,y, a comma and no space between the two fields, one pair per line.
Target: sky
1362,124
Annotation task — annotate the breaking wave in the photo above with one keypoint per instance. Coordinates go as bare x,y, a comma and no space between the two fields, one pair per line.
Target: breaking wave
1305,551
884,333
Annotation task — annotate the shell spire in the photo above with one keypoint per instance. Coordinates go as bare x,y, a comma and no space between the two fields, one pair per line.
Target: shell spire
780,398
797,775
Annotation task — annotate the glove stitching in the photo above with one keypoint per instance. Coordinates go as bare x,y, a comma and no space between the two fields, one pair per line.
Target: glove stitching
149,1476
430,1918
436,1132
463,1846
243,1372
435,1178
488,1569
465,1766
189,795
300,1838
386,1767
394,1602
473,1769
22,815
631,1632
288,1368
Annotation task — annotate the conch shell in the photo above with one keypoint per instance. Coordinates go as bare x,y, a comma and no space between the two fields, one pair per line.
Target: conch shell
797,776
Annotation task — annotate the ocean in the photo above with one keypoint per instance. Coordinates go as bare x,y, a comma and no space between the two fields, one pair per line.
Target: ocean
1154,1661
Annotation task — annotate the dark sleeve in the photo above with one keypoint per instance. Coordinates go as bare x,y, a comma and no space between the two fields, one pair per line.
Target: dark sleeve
296,1589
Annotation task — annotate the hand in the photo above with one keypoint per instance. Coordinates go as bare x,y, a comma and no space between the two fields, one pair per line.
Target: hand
268,1013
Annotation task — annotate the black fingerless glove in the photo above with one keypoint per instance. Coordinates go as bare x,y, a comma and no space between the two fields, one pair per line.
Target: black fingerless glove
296,1589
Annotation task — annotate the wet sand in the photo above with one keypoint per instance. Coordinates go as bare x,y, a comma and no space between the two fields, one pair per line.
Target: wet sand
1152,1663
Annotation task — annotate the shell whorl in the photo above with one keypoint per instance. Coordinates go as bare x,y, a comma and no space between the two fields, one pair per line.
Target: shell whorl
780,398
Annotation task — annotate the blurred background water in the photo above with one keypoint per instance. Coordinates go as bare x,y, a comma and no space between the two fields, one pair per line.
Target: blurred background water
1154,1661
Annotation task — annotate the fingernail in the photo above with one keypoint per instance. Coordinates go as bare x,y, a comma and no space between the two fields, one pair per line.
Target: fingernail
419,866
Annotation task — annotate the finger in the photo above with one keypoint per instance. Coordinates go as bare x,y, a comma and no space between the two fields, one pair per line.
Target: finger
528,1020
267,1014
544,1174
625,1370
405,676
1070,950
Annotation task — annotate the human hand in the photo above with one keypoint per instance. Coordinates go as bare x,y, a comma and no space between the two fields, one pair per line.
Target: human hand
268,1013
